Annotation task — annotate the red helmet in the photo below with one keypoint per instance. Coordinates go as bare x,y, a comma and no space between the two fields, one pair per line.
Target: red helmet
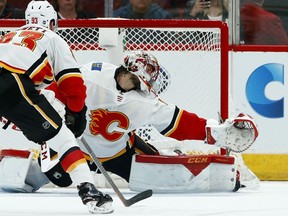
143,65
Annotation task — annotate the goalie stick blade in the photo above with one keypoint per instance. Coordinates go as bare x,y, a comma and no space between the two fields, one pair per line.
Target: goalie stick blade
141,196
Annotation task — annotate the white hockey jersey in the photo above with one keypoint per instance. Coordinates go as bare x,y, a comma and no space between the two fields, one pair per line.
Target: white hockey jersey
45,57
112,115
35,41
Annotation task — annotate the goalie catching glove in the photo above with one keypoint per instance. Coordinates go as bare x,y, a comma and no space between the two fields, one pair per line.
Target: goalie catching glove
236,134
76,121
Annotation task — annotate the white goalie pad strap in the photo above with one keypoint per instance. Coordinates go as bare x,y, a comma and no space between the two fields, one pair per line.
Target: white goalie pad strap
183,174
236,134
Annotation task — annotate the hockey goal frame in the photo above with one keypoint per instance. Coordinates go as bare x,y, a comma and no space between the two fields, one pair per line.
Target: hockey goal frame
175,24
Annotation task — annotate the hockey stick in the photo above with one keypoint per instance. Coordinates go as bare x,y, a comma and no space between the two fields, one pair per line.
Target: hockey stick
127,202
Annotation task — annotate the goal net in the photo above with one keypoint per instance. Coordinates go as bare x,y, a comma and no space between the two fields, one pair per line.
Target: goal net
193,56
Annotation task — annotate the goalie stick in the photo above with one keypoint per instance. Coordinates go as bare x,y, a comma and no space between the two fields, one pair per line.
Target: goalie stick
127,202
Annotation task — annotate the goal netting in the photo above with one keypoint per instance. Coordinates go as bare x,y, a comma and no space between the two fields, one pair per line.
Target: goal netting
193,56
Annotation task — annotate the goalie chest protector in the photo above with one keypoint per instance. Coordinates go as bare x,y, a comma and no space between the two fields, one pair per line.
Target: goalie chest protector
183,174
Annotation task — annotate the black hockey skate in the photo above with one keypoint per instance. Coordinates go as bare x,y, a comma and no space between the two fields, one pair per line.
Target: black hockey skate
96,201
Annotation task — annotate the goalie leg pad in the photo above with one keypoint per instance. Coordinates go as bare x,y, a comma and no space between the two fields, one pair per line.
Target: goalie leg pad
183,174
20,173
35,177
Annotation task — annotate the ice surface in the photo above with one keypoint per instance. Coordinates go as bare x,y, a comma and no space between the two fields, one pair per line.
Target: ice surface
269,200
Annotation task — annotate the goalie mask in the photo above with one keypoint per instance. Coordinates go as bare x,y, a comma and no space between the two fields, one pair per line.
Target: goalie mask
41,13
145,66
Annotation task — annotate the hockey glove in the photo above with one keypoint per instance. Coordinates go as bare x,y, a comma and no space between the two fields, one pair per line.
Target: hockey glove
237,134
76,121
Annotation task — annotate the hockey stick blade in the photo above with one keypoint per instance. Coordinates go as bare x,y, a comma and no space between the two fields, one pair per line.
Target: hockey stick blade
127,202
138,197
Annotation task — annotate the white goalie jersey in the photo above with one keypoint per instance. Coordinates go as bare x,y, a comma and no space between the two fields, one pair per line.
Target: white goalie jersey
112,115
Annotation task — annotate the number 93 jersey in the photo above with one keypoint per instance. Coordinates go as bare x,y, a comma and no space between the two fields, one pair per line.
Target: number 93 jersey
38,52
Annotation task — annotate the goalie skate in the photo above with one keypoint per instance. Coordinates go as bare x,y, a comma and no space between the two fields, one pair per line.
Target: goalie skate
96,202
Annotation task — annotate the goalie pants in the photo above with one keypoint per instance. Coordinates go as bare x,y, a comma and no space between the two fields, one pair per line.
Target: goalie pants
120,165
22,104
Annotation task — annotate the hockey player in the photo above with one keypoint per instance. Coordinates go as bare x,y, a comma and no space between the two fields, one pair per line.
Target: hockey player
31,58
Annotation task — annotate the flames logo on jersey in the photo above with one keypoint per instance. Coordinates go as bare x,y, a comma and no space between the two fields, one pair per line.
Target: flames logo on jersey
102,119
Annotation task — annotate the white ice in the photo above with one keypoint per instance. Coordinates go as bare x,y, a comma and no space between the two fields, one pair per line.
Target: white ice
271,199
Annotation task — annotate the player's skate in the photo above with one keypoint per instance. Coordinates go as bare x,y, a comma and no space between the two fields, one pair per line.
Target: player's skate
96,201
